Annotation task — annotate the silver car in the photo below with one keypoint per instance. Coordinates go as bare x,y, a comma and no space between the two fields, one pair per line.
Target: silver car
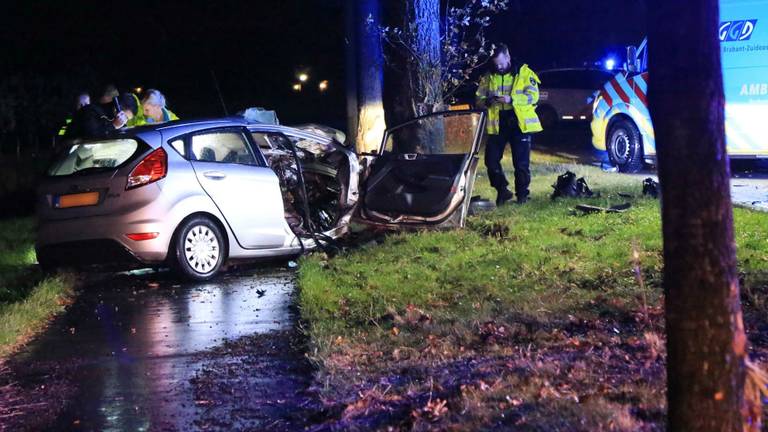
194,195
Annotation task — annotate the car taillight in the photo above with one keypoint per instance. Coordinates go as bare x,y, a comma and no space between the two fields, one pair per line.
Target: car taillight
142,236
153,168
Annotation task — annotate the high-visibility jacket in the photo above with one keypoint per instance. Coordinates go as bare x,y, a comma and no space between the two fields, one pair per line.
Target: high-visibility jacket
139,119
523,89
63,128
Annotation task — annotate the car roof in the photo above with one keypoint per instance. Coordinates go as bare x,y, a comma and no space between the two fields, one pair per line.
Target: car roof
583,69
181,127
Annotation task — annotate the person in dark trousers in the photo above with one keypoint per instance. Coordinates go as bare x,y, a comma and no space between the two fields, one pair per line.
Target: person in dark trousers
509,93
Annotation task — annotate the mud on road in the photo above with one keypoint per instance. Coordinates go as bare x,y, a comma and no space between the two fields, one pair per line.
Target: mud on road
145,352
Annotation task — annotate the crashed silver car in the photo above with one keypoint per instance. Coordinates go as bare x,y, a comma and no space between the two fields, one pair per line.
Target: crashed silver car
194,195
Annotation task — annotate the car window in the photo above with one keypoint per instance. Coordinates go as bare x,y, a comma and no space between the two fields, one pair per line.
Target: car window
222,146
94,155
438,134
178,145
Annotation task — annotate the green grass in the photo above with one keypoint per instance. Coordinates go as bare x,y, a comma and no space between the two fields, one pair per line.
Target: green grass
536,267
27,297
541,258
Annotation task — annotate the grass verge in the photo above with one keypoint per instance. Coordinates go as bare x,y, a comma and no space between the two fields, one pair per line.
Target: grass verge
533,317
28,298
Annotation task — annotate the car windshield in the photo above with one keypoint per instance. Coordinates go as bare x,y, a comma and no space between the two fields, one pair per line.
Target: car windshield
94,155
446,133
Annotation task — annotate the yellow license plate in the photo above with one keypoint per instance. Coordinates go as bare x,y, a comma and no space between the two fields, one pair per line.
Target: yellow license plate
76,200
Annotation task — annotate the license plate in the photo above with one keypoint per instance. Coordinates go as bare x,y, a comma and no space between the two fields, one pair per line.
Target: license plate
76,200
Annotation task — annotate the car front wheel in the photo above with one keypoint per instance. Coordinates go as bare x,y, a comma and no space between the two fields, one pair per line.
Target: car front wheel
624,146
198,249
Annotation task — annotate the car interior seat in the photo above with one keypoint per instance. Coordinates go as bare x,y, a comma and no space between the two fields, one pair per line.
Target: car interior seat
207,154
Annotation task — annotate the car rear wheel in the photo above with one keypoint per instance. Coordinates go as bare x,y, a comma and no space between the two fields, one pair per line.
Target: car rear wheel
625,146
198,249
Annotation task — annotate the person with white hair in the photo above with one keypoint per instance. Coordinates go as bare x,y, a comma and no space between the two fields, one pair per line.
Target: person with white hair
154,109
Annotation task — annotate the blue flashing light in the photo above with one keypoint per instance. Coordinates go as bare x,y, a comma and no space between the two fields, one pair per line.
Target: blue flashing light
610,63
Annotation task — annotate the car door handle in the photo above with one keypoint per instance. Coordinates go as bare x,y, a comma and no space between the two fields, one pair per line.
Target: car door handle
215,175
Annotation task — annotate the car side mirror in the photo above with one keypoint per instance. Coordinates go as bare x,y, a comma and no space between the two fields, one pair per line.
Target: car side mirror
631,64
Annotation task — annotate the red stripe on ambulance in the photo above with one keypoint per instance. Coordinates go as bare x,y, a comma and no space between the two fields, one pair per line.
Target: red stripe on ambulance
619,91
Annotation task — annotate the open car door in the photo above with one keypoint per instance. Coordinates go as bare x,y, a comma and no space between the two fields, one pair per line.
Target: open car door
424,172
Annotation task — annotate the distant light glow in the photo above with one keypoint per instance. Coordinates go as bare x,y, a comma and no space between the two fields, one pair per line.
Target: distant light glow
138,89
567,117
303,77
297,87
323,86
610,63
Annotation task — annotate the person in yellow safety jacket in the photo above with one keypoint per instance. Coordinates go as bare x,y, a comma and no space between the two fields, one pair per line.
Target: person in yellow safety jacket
509,93
153,110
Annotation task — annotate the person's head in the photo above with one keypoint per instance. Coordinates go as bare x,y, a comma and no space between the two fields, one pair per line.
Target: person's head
82,100
501,58
129,105
108,93
153,104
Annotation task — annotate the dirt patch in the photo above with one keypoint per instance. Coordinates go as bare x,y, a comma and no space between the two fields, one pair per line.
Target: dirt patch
259,382
603,374
34,401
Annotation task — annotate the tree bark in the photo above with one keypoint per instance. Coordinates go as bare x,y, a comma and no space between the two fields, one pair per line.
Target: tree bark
425,15
413,80
350,68
706,343
370,62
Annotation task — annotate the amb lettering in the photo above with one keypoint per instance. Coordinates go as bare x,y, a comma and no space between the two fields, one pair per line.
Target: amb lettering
754,89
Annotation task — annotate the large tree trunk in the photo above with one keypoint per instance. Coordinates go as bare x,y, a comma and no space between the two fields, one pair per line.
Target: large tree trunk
350,68
370,63
425,74
706,343
413,82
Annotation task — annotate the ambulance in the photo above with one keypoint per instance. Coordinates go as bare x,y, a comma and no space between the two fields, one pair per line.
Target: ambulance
621,124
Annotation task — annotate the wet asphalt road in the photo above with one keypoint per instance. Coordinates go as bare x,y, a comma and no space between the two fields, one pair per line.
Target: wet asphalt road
145,352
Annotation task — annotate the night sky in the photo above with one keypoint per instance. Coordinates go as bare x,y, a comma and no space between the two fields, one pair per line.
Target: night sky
255,48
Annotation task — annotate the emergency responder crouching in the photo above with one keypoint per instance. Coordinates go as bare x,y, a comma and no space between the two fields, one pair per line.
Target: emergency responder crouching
509,93
154,109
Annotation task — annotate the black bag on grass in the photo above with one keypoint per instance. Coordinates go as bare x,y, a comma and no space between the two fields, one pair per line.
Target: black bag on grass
651,188
568,186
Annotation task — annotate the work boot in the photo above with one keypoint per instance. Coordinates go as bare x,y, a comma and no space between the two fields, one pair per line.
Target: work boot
522,199
503,197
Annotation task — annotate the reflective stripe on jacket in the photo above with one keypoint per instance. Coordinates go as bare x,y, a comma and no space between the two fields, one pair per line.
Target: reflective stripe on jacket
523,90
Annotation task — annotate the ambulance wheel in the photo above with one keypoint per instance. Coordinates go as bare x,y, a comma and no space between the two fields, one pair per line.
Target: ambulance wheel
624,145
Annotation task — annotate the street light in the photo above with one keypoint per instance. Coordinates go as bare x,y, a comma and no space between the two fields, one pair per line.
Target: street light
323,86
303,77
297,87
138,90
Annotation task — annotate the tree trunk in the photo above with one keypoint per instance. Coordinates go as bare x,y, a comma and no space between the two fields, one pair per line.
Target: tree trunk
706,365
425,74
413,82
350,68
397,93
370,61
